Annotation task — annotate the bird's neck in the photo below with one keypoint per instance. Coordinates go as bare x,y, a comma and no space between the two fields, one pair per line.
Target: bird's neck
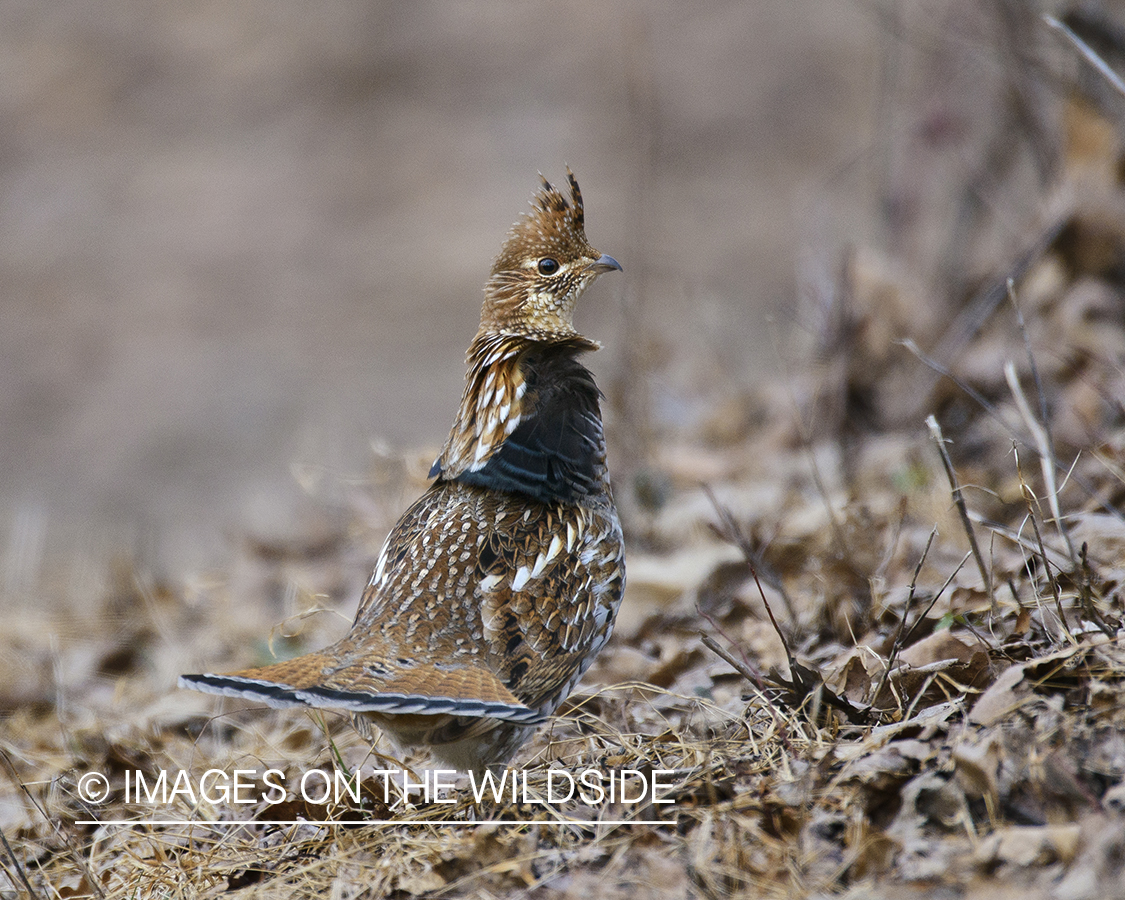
529,419
491,404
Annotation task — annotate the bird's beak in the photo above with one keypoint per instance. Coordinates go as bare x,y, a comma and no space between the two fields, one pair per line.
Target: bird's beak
604,264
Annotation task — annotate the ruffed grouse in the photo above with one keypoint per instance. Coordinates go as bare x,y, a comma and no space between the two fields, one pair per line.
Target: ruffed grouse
496,589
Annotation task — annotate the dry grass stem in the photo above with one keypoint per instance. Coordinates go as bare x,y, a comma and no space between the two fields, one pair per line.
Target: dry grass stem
1088,53
904,733
959,501
1040,429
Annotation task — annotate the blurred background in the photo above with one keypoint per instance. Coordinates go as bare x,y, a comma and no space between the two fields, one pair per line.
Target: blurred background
235,238
242,244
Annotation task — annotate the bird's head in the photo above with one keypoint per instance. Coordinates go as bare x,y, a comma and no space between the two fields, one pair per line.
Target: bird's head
543,268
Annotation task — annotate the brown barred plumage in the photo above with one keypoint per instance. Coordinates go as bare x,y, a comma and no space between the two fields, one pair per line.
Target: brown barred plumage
497,587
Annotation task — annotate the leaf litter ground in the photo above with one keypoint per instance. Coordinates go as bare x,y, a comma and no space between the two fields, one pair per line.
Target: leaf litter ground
870,648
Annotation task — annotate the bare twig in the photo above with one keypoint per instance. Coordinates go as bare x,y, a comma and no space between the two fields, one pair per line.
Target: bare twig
1047,466
1088,53
1041,429
840,542
837,532
1086,594
746,671
994,414
977,311
1019,540
959,500
730,531
897,644
19,868
972,393
892,544
1031,500
935,598
803,683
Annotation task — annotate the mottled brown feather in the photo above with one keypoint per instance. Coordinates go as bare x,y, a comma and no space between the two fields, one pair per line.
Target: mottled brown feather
497,587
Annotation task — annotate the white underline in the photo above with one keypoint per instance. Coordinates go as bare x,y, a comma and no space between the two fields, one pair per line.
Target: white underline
584,822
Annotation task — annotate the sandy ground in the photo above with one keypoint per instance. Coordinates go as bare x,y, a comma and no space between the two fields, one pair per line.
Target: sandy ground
239,237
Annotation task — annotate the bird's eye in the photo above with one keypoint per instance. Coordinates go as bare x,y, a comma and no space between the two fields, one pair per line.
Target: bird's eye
548,266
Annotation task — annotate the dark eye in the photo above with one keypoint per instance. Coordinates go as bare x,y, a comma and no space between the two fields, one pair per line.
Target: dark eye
548,266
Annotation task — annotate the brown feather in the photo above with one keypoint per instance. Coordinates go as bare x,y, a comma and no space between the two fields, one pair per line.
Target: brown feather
497,587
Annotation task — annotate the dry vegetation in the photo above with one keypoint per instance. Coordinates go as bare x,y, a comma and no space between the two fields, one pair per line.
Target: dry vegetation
877,653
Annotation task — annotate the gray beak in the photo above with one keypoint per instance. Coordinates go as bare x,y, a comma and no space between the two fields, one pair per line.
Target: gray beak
604,264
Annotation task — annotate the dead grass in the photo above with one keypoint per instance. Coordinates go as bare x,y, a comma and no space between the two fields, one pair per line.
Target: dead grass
870,658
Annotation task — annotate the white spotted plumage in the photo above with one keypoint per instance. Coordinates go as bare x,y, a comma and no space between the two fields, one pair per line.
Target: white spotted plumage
488,601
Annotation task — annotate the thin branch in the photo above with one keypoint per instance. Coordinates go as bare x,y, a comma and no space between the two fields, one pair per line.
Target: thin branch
936,597
732,533
897,645
959,500
1042,440
1017,538
972,393
803,683
977,311
1029,497
19,868
738,665
1088,53
1086,594
994,414
1040,430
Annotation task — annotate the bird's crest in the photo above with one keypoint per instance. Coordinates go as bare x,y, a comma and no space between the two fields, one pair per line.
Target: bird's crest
543,267
555,227
551,198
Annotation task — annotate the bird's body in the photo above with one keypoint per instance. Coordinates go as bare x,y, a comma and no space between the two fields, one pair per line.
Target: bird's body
496,589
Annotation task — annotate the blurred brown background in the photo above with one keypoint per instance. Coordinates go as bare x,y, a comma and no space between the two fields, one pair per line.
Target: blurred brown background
238,236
